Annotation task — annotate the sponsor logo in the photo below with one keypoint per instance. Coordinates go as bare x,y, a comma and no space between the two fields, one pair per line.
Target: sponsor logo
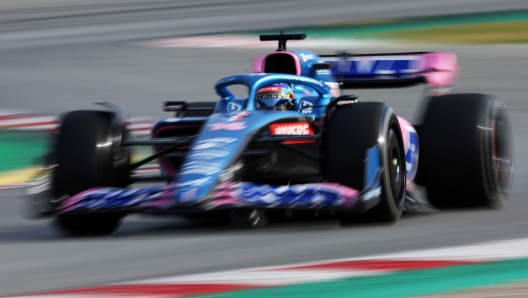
238,116
269,89
233,107
214,142
195,182
229,173
209,154
174,107
274,96
374,193
306,107
227,126
384,65
346,102
220,140
437,91
323,71
201,168
205,146
292,128
305,80
225,80
306,57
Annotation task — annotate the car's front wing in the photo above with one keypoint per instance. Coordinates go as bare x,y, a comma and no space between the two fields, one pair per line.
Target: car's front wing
160,199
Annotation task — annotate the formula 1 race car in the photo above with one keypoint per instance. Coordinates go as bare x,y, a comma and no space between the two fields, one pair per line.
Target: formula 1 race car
311,149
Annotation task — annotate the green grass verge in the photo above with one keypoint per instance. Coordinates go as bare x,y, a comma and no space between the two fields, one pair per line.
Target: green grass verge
489,33
476,28
21,149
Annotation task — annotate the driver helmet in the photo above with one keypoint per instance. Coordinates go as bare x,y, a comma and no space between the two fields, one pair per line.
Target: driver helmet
277,96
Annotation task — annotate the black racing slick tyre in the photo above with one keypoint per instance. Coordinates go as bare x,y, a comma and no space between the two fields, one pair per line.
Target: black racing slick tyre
466,151
353,129
88,154
87,225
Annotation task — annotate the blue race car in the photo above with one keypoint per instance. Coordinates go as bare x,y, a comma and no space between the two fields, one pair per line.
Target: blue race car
293,144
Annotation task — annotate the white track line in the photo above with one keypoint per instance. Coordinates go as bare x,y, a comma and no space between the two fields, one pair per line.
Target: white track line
483,252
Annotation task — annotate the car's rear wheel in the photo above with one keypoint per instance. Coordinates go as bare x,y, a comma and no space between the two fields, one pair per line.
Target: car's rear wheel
88,154
351,131
467,153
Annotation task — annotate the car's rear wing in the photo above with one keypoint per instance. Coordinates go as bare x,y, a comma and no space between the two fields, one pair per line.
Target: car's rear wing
436,69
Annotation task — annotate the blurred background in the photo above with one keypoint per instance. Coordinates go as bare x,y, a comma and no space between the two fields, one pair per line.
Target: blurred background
62,55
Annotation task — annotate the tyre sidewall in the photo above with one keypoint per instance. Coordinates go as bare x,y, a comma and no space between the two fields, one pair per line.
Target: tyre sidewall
88,153
456,144
391,203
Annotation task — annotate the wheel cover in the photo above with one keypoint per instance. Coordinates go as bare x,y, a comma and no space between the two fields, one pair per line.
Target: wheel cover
501,158
395,168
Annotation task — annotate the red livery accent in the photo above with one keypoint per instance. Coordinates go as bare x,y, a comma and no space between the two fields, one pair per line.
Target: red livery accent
269,89
297,142
292,128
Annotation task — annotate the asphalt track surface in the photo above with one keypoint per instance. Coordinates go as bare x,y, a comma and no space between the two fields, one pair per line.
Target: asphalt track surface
43,68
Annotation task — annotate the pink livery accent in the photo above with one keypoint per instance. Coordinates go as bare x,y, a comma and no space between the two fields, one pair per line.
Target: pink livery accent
165,165
257,64
343,190
405,126
230,195
70,202
446,67
99,198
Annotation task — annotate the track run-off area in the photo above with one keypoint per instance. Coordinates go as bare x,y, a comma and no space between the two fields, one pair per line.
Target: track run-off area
412,273
54,60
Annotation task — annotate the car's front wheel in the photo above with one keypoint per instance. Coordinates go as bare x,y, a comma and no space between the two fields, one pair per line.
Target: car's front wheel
88,154
353,130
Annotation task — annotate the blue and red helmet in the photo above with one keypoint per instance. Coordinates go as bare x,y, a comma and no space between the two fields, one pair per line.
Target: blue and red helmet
277,96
